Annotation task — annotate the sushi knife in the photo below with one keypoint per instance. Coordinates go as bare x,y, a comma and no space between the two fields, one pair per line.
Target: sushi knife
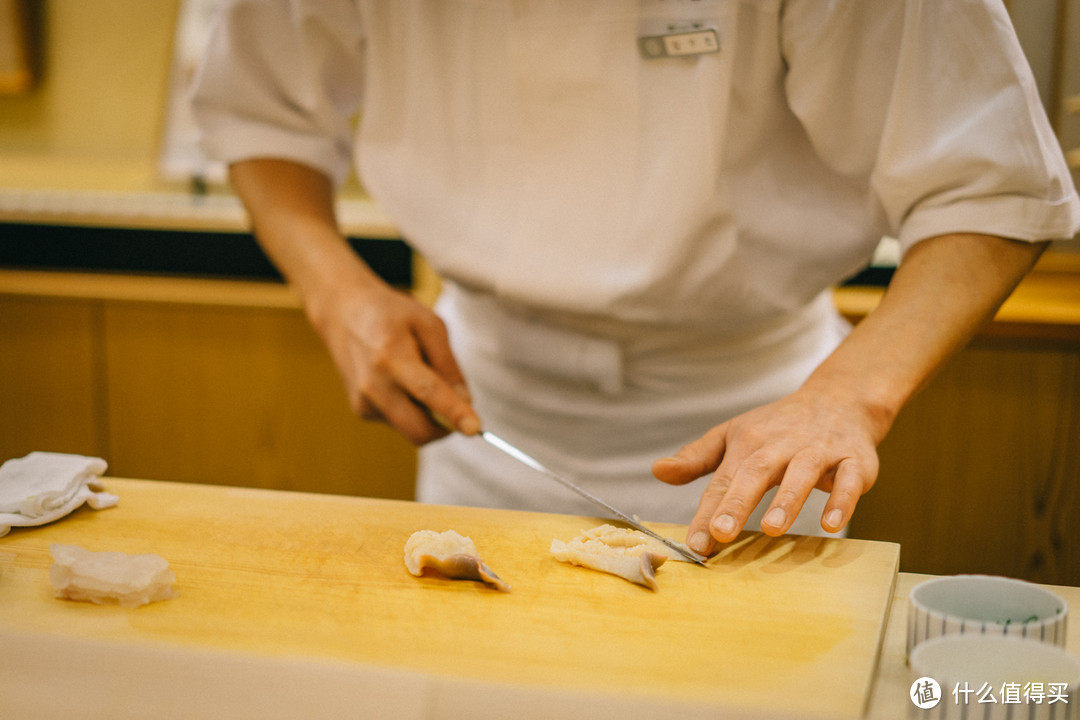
496,441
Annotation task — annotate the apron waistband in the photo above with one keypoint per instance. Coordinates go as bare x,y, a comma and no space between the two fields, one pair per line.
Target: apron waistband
603,352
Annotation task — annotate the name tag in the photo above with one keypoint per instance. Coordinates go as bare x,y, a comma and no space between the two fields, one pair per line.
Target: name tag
684,43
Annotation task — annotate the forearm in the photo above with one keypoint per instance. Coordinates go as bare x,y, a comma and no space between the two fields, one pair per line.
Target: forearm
393,354
943,291
292,211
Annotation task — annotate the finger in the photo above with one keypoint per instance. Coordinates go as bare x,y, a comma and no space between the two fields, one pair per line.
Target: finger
435,349
455,409
434,343
698,534
802,475
392,405
693,460
753,476
439,397
851,481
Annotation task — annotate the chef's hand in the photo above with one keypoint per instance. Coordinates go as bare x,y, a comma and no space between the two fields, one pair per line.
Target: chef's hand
810,439
391,351
394,357
824,435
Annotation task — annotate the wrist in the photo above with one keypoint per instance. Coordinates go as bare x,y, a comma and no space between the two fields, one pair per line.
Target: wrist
876,400
325,291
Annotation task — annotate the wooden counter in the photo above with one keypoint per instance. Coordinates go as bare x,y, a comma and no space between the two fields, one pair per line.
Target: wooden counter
281,589
298,605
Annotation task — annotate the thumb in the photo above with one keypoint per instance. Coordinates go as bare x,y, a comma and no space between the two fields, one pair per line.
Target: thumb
693,460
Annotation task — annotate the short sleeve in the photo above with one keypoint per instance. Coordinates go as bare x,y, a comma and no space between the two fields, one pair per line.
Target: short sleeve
934,103
282,79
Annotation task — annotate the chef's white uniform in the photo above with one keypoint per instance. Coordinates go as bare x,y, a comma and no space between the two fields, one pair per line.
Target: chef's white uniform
637,249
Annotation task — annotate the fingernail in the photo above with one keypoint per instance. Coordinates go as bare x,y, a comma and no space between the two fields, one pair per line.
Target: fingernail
469,426
699,542
775,517
725,524
834,518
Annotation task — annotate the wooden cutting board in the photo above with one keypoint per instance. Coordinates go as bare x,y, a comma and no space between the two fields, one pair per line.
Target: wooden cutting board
791,626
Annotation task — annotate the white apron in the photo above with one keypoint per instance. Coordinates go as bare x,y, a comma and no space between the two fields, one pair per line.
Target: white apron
599,401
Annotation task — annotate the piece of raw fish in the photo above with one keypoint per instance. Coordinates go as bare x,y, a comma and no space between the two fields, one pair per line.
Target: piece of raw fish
110,577
450,554
619,551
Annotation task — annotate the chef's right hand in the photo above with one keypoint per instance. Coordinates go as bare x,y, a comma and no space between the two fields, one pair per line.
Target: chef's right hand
394,356
391,351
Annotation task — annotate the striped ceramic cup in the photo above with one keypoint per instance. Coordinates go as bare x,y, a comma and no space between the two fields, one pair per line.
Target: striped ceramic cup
992,677
985,605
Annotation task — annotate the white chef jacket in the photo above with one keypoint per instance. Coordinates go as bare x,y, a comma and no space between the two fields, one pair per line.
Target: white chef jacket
639,248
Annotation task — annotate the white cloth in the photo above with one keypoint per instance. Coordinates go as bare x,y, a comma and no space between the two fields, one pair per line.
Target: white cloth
43,486
666,227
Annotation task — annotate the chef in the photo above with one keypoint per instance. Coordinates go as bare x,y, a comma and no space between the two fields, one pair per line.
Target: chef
638,209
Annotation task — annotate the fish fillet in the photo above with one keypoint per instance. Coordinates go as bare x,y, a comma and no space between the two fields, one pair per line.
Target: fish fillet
110,577
627,553
450,554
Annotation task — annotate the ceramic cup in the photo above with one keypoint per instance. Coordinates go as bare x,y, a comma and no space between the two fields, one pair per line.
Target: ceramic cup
993,677
985,605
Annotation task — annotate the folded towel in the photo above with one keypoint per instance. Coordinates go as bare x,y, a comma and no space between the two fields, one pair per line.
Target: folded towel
43,487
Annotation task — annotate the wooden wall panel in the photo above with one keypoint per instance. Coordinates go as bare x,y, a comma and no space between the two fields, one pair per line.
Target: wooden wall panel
50,397
239,396
981,472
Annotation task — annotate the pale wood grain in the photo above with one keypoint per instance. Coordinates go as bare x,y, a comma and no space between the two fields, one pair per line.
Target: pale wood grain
322,577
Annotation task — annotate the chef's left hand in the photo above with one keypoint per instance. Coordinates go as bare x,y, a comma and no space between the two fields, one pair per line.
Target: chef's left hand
826,433
815,437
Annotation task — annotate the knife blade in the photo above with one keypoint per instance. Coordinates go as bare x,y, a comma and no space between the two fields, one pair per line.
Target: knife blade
522,457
